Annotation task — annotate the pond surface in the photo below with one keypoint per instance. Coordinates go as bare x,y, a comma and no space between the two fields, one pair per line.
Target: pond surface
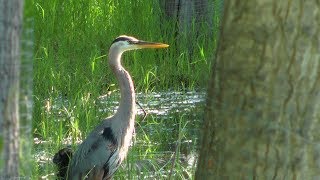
165,142
161,103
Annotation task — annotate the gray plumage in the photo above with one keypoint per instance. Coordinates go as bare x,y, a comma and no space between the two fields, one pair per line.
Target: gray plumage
101,153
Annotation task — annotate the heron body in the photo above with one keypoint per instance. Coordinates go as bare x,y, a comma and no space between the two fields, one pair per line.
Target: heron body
102,152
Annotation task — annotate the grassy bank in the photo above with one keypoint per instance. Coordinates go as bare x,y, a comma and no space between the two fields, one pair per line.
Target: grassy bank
73,38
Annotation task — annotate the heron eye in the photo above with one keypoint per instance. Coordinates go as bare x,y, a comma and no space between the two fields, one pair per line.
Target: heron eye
132,42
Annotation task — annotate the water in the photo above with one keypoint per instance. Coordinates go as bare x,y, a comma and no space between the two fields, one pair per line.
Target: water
167,130
159,103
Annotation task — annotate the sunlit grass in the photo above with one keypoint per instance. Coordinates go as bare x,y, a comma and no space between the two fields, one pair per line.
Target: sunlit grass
73,39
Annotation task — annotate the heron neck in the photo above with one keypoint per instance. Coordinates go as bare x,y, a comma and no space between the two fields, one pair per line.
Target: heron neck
126,109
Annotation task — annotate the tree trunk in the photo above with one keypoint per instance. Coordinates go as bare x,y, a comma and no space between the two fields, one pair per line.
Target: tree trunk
26,90
185,11
193,18
10,30
263,106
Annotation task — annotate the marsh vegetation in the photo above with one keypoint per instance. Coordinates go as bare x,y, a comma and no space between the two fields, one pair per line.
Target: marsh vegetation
74,89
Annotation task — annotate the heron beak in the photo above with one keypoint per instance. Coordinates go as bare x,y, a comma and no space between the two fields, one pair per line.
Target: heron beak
145,44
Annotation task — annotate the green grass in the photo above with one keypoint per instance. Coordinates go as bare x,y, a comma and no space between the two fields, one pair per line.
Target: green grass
72,39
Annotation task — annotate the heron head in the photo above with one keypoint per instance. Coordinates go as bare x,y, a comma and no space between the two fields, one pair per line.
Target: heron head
126,43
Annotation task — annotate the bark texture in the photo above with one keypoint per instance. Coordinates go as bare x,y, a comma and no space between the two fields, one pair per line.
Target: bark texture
10,30
263,108
192,19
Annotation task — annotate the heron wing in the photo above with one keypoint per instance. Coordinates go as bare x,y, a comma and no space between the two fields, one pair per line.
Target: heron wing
98,151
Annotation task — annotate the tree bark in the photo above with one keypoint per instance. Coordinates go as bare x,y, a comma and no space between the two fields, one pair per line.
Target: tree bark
10,30
263,106
192,18
26,90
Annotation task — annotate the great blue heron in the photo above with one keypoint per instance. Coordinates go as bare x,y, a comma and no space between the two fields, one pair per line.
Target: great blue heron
101,153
